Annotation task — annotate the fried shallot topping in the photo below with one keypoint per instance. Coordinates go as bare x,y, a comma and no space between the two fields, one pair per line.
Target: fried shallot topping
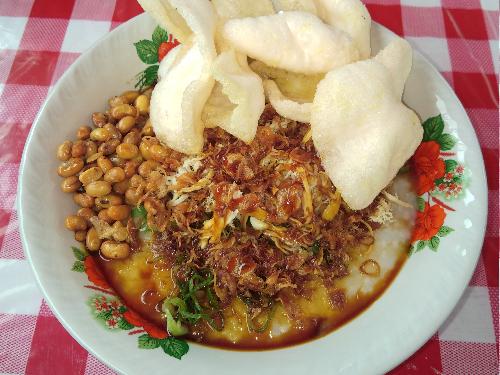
263,217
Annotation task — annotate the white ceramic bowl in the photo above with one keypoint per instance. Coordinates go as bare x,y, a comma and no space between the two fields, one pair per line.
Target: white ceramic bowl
395,326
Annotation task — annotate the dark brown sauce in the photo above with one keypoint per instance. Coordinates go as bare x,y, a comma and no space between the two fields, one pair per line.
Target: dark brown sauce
317,327
147,304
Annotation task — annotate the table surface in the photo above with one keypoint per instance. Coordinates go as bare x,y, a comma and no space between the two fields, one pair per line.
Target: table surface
39,39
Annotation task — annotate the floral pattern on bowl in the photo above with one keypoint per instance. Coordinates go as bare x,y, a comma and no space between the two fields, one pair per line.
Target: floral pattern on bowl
108,309
435,177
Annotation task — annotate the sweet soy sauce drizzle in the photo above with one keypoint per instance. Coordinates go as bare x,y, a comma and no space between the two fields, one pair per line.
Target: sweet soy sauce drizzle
142,295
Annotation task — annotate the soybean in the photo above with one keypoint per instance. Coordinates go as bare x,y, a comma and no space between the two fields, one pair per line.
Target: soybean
158,152
104,163
126,124
99,119
83,200
90,175
86,213
80,235
115,174
147,130
136,181
93,242
117,100
123,110
70,184
142,104
78,149
115,250
75,223
94,157
127,151
145,147
108,201
91,149
132,197
130,96
103,215
83,132
147,167
109,147
70,167
115,133
117,161
130,168
100,135
120,212
121,187
98,188
133,137
64,150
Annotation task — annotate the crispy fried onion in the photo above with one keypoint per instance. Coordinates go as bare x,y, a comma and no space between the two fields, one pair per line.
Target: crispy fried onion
260,217
396,200
116,232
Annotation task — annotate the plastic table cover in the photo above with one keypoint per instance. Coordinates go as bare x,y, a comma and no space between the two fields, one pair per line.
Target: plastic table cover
39,39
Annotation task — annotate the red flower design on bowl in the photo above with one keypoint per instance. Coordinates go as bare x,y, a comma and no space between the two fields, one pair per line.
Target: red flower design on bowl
428,166
94,273
166,47
136,320
428,222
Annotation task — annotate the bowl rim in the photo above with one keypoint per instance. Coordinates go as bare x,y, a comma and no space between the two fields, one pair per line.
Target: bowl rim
391,361
19,193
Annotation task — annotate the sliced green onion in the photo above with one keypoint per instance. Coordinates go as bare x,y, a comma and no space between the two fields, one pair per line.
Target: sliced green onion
140,217
187,307
174,327
315,248
265,326
213,323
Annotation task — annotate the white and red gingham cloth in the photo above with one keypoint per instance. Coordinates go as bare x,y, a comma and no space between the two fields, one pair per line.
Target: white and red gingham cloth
39,39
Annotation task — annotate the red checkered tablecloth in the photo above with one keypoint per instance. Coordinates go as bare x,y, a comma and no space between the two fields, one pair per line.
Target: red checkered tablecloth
39,39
